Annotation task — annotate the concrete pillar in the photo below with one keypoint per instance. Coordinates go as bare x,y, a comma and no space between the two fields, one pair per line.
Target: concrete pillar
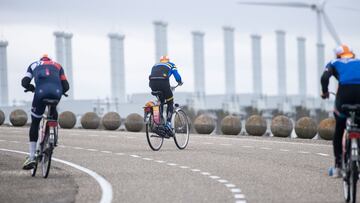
68,65
281,62
229,62
160,39
302,66
199,67
117,63
4,88
256,62
59,47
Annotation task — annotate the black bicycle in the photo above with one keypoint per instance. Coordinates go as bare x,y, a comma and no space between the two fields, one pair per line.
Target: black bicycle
155,122
48,135
351,159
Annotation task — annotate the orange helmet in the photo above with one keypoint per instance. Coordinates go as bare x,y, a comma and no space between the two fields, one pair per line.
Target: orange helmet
164,59
344,51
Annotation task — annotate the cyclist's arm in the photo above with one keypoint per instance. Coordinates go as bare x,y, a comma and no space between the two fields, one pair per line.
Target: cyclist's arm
26,81
329,71
64,82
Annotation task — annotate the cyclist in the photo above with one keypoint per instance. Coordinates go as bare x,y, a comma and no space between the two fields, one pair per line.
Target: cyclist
159,81
51,83
346,69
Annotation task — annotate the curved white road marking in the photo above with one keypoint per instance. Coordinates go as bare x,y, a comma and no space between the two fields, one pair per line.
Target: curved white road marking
107,193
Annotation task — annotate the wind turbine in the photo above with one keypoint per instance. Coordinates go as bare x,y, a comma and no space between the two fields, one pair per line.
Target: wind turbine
320,15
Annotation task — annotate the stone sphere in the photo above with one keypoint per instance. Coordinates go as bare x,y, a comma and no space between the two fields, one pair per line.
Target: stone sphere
90,120
134,122
281,126
2,117
18,118
306,128
67,120
231,125
111,121
326,128
255,125
204,124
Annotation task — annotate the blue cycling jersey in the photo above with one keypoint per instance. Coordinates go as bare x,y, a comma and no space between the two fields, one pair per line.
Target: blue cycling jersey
348,70
165,71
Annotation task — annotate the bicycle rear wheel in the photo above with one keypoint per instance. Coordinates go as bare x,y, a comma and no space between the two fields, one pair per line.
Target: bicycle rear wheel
181,129
46,156
155,141
354,175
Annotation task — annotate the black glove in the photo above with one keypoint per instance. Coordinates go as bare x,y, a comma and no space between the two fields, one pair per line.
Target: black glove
31,88
325,95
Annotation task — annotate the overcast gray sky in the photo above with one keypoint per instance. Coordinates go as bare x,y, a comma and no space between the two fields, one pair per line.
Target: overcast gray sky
28,26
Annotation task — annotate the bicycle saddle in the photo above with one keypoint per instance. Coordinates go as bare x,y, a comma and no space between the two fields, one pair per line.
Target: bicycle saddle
50,101
157,93
350,107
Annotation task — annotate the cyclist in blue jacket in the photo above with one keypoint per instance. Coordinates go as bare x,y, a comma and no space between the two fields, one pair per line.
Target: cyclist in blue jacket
51,83
159,81
346,69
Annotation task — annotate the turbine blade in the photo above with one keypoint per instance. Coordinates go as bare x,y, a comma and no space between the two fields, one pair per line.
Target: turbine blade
331,28
287,4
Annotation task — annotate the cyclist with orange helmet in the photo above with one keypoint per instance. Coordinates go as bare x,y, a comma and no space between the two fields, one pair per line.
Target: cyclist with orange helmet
159,81
346,69
50,83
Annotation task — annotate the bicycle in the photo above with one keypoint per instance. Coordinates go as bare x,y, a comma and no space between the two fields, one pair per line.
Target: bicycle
351,159
47,141
155,123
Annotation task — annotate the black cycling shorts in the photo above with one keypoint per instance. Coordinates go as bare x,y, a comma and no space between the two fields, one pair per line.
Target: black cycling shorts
163,86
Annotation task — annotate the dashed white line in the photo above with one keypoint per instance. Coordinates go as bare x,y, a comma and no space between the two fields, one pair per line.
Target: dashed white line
235,190
195,170
214,177
208,143
14,141
93,135
322,154
239,196
106,152
120,154
222,181
265,148
284,150
184,167
172,164
226,144
247,146
129,137
230,185
304,152
160,161
78,148
92,150
240,201
148,159
135,156
205,173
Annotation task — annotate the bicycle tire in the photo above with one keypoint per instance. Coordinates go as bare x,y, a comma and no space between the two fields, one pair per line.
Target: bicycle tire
181,138
46,155
354,175
33,171
155,141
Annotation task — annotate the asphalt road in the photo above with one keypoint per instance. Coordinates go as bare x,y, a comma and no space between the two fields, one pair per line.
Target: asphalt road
210,169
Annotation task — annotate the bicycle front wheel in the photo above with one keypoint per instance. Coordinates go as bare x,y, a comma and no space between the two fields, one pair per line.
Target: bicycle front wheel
46,156
181,129
155,141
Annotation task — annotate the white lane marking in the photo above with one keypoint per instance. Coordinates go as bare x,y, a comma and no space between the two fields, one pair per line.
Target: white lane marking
135,156
303,152
172,164
78,148
92,150
247,146
13,141
106,188
284,150
195,170
226,144
230,185
235,190
240,201
207,143
160,161
214,177
322,154
239,196
265,148
205,173
148,159
120,154
2,140
130,137
222,181
74,134
106,152
184,167
93,135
